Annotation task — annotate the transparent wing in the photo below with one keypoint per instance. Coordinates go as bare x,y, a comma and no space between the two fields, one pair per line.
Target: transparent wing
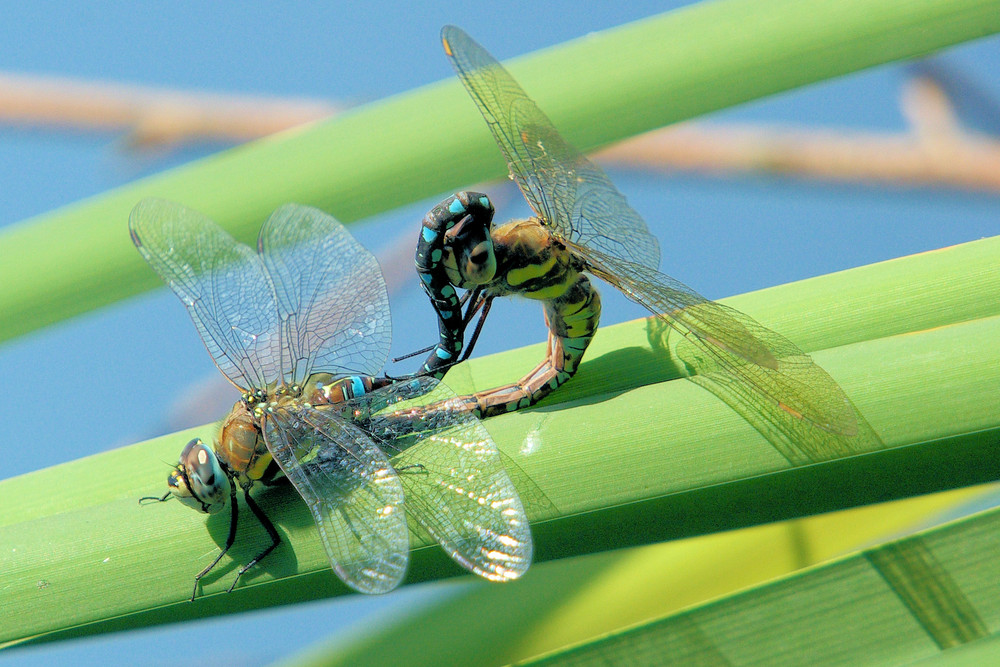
331,298
769,381
352,491
802,410
567,191
455,483
221,282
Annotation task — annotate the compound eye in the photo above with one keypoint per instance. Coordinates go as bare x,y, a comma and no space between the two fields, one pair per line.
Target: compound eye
481,263
199,479
479,255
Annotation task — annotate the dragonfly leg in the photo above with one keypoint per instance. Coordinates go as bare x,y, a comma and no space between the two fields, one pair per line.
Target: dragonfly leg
158,499
473,211
268,526
481,302
230,539
424,350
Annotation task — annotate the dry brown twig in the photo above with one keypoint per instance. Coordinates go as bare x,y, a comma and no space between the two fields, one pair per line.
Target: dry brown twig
152,118
937,150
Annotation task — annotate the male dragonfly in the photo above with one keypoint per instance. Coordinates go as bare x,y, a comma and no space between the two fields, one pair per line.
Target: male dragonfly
583,224
301,327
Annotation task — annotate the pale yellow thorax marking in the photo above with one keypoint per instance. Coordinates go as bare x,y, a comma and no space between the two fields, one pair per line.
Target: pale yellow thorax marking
259,466
520,276
552,291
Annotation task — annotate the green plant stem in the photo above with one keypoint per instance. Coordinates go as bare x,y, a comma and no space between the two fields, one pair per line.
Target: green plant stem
657,460
597,89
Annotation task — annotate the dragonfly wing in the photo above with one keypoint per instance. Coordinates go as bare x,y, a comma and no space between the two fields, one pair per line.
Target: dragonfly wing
765,377
221,282
331,298
352,491
566,190
455,483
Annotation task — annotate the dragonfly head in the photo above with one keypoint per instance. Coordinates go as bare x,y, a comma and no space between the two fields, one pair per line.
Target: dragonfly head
198,480
469,259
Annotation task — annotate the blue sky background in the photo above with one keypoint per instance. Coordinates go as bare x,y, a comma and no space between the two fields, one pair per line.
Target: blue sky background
127,367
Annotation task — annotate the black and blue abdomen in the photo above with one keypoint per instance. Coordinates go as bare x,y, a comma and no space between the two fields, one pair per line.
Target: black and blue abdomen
448,235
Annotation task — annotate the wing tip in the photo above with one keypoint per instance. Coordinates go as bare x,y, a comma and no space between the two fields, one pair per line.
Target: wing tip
147,207
451,34
143,208
372,581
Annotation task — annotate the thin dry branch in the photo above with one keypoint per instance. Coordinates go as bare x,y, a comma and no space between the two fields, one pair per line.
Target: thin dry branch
936,151
972,163
151,117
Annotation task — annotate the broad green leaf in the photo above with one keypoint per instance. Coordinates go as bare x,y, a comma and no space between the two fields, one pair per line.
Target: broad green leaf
573,600
916,598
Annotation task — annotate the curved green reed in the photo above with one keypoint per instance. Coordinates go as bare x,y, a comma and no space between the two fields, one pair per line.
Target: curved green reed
912,341
597,89
659,459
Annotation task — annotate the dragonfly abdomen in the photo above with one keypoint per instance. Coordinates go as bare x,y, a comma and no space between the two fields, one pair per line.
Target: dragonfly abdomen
572,319
468,215
530,262
326,389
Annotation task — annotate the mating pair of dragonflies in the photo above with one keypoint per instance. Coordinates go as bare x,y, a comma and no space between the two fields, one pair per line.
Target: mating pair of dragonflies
301,326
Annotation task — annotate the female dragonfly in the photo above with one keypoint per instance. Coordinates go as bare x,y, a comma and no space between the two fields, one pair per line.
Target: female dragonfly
301,327
583,224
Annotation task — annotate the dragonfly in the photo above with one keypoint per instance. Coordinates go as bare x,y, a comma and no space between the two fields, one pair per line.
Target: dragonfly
301,327
583,225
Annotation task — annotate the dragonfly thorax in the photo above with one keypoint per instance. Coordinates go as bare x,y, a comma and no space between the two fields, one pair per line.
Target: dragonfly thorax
240,446
531,261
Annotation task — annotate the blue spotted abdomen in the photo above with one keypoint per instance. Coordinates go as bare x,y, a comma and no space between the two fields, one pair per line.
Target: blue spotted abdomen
431,262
